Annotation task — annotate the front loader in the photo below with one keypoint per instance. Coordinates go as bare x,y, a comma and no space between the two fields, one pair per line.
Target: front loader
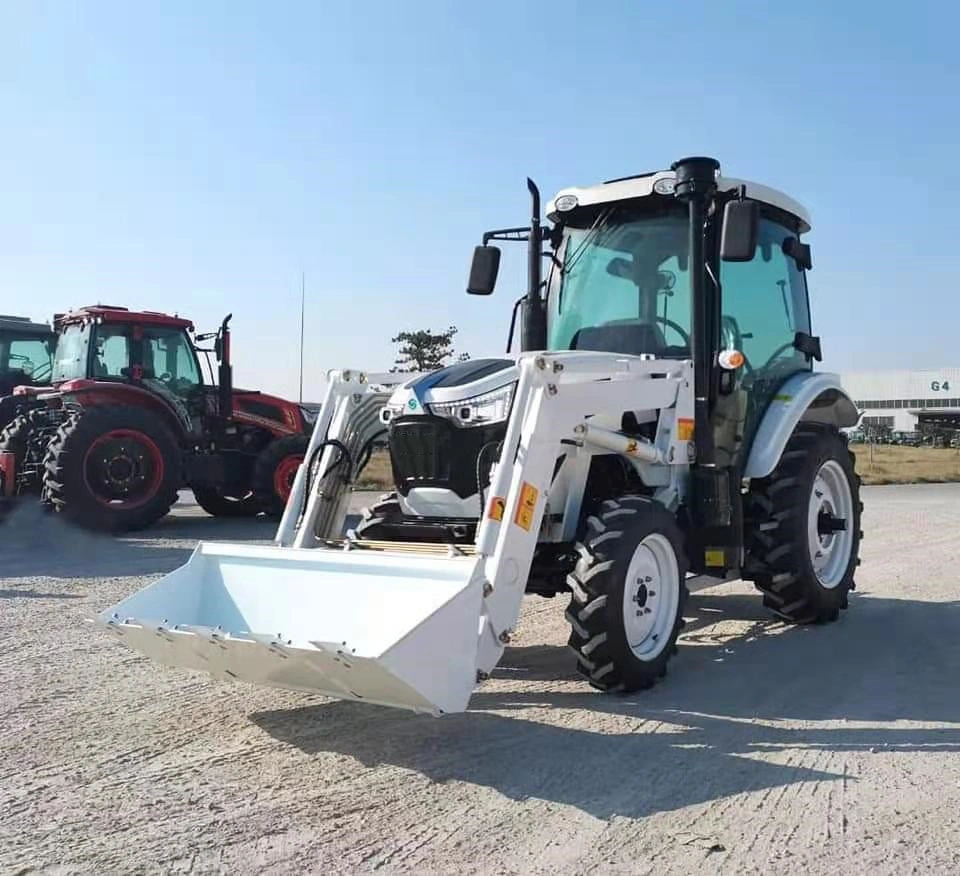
662,420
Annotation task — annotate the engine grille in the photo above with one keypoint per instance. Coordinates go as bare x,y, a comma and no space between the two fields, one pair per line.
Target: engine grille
427,451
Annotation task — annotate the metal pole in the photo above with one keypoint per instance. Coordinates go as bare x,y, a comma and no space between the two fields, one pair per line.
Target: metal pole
696,184
302,307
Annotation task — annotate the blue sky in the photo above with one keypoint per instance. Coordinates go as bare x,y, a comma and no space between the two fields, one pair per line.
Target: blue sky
197,156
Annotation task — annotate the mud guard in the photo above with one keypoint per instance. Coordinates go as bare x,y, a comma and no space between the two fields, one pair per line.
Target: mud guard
810,397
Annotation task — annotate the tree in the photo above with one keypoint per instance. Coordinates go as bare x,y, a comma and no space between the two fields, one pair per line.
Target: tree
425,350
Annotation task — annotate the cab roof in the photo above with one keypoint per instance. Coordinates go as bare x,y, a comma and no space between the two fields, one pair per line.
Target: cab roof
645,185
111,314
22,325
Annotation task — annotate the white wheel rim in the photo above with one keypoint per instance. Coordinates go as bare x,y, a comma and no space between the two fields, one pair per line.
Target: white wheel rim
831,501
651,597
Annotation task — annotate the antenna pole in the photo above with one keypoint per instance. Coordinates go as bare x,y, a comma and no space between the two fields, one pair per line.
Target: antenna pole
302,306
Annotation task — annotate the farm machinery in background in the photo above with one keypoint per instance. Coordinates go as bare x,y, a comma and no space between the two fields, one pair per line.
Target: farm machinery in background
26,359
128,420
663,420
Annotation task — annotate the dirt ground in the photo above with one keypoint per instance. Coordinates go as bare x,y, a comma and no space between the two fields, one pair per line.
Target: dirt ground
767,749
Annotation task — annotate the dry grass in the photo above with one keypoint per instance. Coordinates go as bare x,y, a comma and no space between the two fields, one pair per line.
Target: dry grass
377,475
889,465
906,465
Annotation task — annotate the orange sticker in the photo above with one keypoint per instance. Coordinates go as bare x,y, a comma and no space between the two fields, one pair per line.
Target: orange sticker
495,512
523,516
684,428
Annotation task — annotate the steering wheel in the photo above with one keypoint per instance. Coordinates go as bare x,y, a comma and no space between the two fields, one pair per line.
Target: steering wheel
776,354
679,329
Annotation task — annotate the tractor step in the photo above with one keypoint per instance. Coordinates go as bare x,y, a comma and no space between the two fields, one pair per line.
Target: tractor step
381,626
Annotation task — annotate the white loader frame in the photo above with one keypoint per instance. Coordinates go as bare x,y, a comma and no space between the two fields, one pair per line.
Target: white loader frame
410,625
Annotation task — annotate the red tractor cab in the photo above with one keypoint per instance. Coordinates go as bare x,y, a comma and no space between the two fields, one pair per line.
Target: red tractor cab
129,420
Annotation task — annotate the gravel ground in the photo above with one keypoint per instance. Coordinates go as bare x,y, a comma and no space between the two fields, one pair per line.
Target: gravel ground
768,749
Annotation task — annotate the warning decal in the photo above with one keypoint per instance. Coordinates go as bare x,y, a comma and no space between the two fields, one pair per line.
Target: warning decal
495,511
526,506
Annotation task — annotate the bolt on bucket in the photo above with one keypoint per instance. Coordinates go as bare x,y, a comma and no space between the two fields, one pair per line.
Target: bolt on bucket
387,628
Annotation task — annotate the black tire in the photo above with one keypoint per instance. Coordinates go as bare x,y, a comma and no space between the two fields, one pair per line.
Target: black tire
25,437
598,634
275,464
92,494
385,510
217,503
13,437
777,532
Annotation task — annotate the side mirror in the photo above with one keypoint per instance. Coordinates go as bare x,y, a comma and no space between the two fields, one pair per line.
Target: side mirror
218,348
483,270
741,228
799,252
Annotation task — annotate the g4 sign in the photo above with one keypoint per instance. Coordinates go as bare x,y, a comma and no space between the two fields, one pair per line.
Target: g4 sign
940,385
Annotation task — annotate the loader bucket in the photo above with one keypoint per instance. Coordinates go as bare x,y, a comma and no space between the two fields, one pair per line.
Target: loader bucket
395,629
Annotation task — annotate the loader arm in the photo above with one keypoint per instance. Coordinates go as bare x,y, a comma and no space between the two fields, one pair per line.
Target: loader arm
348,420
410,626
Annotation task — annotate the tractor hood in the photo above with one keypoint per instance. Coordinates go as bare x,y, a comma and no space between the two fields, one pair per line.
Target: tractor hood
454,383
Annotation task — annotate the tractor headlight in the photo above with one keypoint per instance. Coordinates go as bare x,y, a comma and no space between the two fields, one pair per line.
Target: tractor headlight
479,410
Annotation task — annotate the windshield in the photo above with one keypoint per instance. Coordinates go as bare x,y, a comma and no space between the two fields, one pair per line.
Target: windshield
26,357
623,287
71,356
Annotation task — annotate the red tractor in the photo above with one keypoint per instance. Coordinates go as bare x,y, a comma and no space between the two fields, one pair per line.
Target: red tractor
129,420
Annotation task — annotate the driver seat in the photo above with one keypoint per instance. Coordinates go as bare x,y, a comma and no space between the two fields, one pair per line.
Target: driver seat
626,336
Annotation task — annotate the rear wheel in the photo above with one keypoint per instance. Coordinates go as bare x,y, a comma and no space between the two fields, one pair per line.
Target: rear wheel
112,468
218,503
629,591
275,470
803,528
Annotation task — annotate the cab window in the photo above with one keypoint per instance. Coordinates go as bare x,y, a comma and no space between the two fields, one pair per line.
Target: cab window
764,306
168,356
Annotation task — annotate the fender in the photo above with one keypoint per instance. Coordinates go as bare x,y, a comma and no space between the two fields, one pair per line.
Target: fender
86,393
810,396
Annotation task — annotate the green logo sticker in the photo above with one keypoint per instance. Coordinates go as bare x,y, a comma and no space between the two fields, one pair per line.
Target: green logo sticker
412,403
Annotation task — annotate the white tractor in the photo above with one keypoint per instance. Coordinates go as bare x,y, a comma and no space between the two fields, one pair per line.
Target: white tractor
663,421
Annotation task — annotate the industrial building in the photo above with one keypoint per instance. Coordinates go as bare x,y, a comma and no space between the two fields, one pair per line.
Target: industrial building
906,401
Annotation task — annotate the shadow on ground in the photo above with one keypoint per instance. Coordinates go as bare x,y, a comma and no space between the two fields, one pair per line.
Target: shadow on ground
704,727
37,543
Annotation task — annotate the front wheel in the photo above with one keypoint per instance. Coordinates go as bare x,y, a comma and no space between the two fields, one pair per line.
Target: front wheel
629,591
275,470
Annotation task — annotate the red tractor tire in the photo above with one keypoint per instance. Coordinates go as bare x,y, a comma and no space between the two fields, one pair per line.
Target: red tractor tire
274,471
113,468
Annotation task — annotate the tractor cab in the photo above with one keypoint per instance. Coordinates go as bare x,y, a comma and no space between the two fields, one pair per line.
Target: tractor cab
115,345
620,281
26,353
